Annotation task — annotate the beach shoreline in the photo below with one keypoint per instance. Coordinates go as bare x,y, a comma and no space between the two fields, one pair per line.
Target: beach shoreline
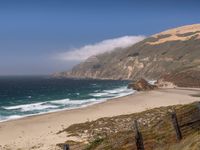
67,109
41,130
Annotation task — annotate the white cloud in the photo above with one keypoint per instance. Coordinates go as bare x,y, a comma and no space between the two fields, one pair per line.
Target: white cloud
82,53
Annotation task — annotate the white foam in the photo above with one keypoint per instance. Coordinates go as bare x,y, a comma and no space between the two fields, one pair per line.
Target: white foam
63,104
62,101
98,94
124,94
38,107
13,117
31,107
72,102
152,82
22,106
48,105
117,90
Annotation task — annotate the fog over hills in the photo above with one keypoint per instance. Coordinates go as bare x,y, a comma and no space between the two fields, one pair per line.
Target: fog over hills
173,51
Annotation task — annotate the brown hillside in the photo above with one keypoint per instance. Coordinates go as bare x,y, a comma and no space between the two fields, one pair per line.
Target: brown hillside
169,51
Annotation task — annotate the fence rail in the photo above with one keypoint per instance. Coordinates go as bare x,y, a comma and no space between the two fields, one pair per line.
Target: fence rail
194,119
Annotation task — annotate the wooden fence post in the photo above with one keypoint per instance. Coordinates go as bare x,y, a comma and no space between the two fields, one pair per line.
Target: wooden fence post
66,147
198,105
138,137
176,126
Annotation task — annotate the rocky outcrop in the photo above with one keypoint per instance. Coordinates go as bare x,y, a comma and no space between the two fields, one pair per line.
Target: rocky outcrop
161,83
142,85
173,50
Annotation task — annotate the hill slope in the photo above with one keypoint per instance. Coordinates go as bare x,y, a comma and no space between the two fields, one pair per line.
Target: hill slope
117,133
171,51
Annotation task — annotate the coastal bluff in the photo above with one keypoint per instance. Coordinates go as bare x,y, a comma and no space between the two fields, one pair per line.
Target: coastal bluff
174,51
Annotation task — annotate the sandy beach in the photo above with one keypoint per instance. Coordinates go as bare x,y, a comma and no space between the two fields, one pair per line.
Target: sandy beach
39,132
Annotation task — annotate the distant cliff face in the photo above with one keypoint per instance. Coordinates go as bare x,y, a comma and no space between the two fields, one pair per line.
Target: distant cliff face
167,52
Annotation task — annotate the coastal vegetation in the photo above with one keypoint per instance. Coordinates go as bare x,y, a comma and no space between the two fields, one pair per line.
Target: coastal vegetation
156,126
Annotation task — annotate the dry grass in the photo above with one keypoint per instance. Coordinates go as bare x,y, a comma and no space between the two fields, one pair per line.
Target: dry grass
155,125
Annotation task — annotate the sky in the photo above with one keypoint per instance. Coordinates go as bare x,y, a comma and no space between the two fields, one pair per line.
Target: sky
40,37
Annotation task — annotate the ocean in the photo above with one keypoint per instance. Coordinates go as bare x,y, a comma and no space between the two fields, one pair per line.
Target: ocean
32,95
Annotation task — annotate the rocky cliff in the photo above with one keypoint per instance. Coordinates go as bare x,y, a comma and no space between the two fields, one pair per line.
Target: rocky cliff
168,52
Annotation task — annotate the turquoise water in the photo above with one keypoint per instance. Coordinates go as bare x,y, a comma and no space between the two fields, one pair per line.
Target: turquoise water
25,96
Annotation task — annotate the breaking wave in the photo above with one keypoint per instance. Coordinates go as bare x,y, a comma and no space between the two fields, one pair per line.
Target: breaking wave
56,105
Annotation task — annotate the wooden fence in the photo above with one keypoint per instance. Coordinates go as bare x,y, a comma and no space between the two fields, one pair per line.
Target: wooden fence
193,119
177,127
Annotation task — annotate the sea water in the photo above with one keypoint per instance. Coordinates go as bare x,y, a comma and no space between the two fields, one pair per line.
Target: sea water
27,95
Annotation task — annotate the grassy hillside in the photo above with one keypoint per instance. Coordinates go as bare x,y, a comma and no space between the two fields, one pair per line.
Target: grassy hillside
167,52
117,133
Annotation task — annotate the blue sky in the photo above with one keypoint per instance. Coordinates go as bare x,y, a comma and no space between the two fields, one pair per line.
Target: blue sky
34,32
